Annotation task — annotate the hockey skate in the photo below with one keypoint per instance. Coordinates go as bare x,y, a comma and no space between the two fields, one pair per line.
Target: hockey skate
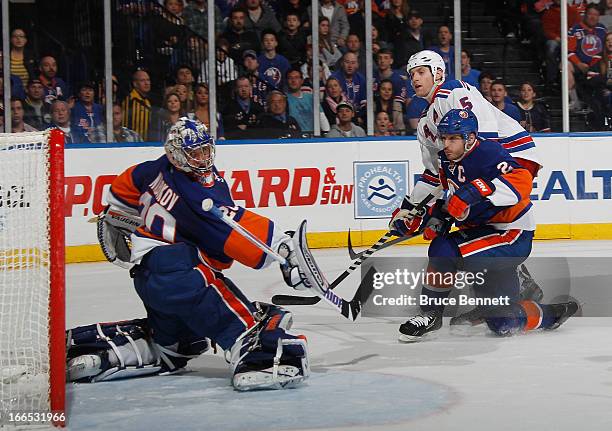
415,328
468,323
530,290
563,311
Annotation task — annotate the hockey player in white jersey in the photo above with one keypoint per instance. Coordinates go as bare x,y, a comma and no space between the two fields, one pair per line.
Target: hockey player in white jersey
427,73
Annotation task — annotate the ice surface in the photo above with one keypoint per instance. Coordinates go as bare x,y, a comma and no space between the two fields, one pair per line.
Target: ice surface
363,379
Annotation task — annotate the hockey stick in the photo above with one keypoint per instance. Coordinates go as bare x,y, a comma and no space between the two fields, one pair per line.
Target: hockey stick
354,255
349,309
363,256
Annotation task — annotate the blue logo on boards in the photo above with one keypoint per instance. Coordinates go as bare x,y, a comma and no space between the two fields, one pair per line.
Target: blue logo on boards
379,188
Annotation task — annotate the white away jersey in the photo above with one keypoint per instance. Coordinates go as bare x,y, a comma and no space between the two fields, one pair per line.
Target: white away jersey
492,124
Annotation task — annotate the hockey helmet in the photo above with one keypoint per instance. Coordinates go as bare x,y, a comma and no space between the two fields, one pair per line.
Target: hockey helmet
189,147
458,122
428,58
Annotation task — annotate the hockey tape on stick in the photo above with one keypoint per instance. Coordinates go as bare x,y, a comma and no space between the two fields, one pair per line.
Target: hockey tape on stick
346,308
361,257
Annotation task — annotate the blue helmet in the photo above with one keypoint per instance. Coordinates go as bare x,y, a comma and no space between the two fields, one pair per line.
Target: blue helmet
184,140
458,122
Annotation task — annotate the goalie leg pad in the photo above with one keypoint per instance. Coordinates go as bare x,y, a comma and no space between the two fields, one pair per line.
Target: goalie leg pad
118,350
267,357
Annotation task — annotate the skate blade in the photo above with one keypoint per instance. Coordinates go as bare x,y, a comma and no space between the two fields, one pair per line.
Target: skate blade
408,339
288,377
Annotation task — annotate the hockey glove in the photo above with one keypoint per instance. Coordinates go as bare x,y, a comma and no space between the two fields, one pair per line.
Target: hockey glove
438,222
405,220
469,194
114,230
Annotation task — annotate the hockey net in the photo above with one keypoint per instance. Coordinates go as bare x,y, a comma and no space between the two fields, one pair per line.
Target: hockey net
32,346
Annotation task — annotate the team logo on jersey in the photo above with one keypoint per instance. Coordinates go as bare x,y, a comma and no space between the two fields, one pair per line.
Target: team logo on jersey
379,188
463,114
273,75
591,45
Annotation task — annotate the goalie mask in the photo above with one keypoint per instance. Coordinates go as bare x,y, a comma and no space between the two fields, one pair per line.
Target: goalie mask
190,148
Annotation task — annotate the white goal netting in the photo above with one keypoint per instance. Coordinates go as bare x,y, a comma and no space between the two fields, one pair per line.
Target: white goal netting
24,272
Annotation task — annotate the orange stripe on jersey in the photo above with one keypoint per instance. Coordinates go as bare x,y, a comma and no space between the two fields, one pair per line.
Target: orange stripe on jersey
123,188
239,248
489,241
521,180
530,165
510,214
229,298
534,315
142,231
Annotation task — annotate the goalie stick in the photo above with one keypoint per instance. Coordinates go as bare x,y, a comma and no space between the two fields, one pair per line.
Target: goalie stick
360,258
349,309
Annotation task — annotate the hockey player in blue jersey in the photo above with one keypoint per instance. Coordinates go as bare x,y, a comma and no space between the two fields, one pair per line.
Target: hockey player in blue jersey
487,198
176,254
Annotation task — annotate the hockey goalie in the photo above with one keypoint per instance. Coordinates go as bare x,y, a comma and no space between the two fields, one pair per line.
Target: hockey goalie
175,251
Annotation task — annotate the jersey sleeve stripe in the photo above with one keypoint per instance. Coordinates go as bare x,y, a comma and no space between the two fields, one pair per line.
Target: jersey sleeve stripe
124,189
239,248
504,194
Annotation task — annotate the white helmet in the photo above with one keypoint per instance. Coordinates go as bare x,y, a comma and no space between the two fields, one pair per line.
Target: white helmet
428,58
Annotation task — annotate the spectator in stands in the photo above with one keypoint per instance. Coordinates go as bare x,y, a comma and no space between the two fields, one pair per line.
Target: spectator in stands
260,86
37,113
386,102
468,74
183,93
411,40
273,67
260,18
377,42
328,51
276,121
137,105
352,82
17,89
226,68
176,7
86,115
300,103
338,21
383,125
600,85
413,113
120,133
55,87
446,50
551,25
292,41
167,116
60,118
297,7
585,46
344,127
184,75
22,62
484,82
239,38
357,21
17,114
402,89
202,109
306,68
353,44
396,22
333,97
195,17
241,113
534,115
498,99
606,18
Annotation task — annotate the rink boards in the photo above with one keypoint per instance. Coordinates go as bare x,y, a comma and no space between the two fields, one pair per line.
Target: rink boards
342,184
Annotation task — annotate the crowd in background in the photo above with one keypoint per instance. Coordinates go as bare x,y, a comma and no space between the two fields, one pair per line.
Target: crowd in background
264,69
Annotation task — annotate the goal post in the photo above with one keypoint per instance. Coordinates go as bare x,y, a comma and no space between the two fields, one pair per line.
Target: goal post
32,278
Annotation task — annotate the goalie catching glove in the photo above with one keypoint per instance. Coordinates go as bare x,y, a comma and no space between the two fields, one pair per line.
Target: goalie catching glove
114,230
301,270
